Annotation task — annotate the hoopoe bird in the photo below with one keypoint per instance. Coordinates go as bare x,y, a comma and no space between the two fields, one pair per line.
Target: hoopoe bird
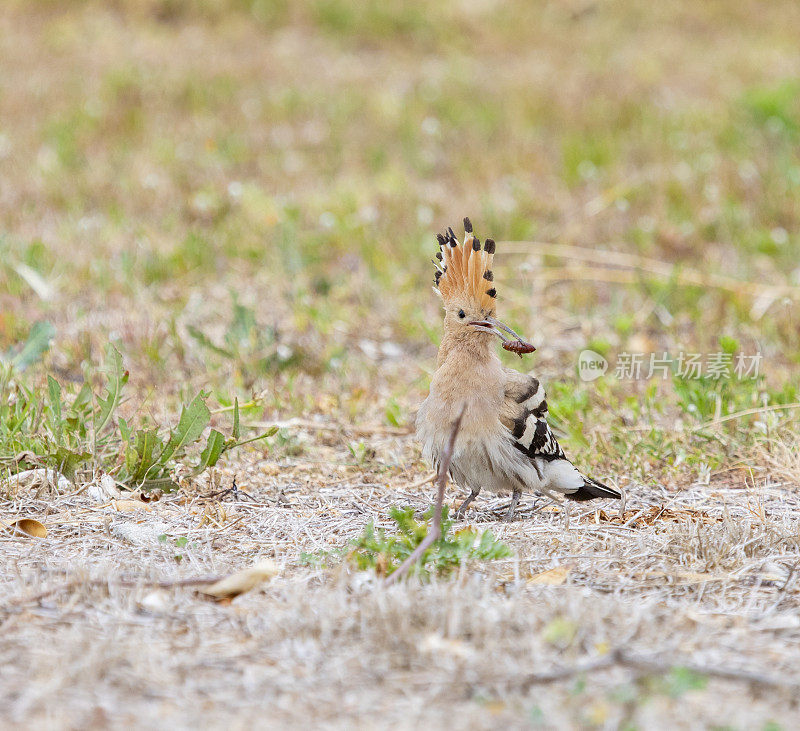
504,443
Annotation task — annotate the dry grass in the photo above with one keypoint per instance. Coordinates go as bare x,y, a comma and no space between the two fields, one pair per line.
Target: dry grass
704,577
162,161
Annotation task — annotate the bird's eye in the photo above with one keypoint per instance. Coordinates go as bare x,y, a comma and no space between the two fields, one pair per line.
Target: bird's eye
462,314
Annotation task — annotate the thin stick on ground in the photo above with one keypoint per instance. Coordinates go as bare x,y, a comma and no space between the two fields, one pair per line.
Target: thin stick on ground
419,483
655,666
70,586
436,528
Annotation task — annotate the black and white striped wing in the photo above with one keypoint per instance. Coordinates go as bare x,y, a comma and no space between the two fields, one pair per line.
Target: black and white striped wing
526,417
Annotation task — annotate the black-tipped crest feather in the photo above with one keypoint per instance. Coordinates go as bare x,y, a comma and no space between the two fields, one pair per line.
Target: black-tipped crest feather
469,265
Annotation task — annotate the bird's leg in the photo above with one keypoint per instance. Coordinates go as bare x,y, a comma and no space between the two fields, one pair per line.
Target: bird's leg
461,508
513,506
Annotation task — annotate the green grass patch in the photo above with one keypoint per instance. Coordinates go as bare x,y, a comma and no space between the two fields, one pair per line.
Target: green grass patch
78,430
382,552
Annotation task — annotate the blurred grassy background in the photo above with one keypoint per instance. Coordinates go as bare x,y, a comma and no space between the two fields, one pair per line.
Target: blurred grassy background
243,196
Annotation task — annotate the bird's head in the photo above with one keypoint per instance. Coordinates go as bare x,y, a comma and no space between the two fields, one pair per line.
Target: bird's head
465,282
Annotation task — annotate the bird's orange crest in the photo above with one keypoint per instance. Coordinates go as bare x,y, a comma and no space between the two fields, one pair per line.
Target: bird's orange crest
464,270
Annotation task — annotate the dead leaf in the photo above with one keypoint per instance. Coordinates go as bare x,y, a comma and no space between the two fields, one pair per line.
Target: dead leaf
155,601
435,644
103,490
242,581
552,577
40,478
125,505
26,526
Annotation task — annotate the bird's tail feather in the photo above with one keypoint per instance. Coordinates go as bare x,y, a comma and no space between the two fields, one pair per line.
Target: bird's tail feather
592,489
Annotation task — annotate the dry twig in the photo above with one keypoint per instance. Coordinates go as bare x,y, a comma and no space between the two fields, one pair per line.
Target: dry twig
657,667
92,583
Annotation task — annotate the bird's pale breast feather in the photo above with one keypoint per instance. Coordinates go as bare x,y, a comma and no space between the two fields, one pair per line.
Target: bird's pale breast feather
485,456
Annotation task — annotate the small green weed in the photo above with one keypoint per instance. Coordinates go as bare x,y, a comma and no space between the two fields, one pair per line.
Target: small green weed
393,412
360,451
76,432
179,542
681,680
254,349
710,396
377,551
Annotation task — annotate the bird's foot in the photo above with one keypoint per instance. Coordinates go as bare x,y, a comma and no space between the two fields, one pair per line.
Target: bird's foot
461,509
509,516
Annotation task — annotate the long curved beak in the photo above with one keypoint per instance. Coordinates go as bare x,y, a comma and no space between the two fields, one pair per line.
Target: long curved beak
494,326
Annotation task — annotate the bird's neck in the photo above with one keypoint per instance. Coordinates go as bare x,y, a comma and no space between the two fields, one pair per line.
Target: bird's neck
468,376
465,347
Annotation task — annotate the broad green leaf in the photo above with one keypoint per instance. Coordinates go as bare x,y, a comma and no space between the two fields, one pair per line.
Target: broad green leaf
54,391
145,443
66,461
19,419
211,454
131,460
164,483
117,378
83,401
124,429
194,419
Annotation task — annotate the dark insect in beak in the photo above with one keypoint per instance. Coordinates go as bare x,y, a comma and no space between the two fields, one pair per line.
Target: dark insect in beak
494,326
518,346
